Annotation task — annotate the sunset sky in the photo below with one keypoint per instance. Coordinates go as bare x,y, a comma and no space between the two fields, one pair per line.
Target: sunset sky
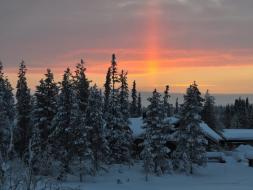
159,42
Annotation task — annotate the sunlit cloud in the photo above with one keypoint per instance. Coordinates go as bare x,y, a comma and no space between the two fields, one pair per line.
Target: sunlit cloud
157,41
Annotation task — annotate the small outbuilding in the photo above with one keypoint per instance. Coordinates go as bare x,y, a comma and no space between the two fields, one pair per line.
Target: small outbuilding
232,138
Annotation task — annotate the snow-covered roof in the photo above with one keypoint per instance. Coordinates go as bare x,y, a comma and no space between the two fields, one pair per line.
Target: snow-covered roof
215,154
210,132
137,123
238,134
172,120
136,126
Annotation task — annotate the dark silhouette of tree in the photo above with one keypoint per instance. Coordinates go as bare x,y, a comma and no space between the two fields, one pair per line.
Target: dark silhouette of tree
134,103
23,106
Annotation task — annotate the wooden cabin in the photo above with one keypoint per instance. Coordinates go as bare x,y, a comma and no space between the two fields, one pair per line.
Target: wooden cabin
232,138
212,137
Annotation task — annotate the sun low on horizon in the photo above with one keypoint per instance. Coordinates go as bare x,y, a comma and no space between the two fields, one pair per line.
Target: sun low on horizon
159,43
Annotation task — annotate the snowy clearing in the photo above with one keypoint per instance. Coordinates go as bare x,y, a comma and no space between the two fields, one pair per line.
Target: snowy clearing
229,176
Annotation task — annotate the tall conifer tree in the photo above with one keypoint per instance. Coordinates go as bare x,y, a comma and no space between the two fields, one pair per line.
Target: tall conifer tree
166,104
191,145
45,107
44,110
119,134
134,103
176,107
61,136
208,113
23,108
139,106
81,86
94,120
155,150
108,89
7,114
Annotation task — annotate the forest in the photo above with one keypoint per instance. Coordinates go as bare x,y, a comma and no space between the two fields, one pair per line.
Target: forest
75,127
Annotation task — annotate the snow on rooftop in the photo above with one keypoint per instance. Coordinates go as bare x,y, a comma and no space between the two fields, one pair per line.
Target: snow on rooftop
210,132
172,120
238,134
136,126
215,154
137,123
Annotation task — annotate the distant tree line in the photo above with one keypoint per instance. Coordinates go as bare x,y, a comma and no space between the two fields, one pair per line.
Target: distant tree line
237,115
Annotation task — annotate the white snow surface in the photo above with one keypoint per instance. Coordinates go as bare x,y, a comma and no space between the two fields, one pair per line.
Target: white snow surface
136,126
210,132
238,134
232,175
243,152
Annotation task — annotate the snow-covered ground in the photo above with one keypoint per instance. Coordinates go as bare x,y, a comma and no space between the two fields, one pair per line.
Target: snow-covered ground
232,175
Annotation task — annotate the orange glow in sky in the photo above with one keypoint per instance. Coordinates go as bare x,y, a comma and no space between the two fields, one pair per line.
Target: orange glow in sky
158,42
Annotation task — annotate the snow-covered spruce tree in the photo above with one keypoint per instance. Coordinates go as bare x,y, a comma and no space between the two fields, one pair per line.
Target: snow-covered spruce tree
147,156
156,136
124,104
166,104
124,94
69,136
7,114
208,113
240,115
79,146
114,75
45,108
80,130
108,89
95,121
191,144
139,111
61,136
134,102
118,132
81,86
23,109
176,107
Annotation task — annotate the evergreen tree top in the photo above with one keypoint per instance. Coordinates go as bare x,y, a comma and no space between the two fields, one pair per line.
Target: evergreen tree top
80,69
67,75
22,88
209,99
1,70
193,95
192,105
134,91
114,60
22,68
134,84
166,92
114,73
49,75
155,99
154,109
108,78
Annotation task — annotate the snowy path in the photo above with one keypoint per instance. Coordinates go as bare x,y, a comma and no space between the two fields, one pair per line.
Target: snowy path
216,176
